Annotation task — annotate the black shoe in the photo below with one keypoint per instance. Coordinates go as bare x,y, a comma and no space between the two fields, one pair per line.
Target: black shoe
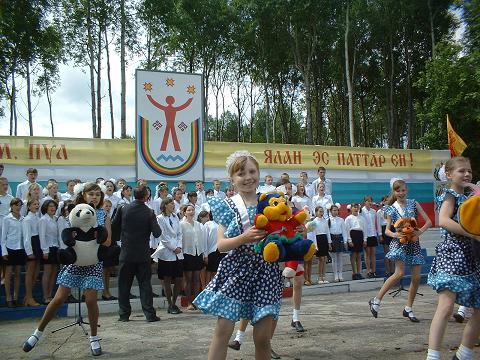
354,277
132,296
374,275
458,318
109,298
123,319
298,326
153,319
370,275
176,310
411,318
10,304
274,355
235,345
455,357
155,295
71,299
360,277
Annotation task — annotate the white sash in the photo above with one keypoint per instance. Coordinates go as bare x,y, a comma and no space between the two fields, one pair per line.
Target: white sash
400,210
242,210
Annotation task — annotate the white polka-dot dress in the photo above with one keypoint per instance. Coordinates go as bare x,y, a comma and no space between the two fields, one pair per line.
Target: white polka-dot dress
245,285
455,267
411,252
84,277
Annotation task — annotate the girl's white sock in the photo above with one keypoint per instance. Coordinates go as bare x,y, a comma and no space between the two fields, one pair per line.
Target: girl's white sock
296,315
35,337
433,355
464,353
95,342
240,337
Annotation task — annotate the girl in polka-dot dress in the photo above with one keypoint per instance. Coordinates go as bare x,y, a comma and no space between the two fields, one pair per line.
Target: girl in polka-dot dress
455,272
408,254
88,278
245,286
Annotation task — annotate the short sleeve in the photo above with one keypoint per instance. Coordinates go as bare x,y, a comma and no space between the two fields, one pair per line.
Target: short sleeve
222,213
389,210
459,198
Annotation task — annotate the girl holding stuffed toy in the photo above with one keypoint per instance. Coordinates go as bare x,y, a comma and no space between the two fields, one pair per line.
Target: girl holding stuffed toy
245,286
455,271
408,254
88,278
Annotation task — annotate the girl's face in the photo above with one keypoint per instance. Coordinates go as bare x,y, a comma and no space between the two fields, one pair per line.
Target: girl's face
204,219
93,197
127,192
53,190
35,192
178,196
121,183
368,203
246,179
355,210
34,206
230,192
51,209
321,189
109,188
189,212
15,208
288,188
334,211
170,207
461,175
301,190
70,186
107,207
320,212
193,199
400,192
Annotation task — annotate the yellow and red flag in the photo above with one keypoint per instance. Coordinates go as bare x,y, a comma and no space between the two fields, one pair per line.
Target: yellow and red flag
456,145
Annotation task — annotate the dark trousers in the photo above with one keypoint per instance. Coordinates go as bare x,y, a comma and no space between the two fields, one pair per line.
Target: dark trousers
126,272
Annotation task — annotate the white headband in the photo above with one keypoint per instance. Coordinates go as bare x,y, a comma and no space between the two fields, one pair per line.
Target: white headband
237,154
393,180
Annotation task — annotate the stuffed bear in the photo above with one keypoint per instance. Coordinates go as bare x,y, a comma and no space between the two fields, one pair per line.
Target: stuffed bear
282,243
83,239
406,227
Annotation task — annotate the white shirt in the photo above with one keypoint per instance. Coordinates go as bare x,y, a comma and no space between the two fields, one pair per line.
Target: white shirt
218,193
301,201
381,221
48,233
369,216
266,188
321,227
321,201
22,189
328,185
353,222
12,233
194,241
201,197
29,228
114,200
170,239
23,210
310,190
4,207
211,228
337,227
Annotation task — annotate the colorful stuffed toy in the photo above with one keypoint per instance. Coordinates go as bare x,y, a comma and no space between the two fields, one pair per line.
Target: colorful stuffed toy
282,243
84,238
469,210
406,227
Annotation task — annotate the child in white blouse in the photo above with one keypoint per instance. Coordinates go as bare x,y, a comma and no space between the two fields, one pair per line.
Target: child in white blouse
369,216
338,236
49,242
357,240
32,249
322,241
34,192
12,250
300,199
321,199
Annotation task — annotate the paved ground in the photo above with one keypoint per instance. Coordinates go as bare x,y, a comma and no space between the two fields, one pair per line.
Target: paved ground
339,326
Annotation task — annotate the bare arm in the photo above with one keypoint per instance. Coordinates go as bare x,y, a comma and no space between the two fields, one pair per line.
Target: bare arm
225,244
387,230
445,218
108,226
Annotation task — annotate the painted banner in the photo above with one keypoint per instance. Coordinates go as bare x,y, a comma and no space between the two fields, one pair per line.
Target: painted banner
169,115
36,151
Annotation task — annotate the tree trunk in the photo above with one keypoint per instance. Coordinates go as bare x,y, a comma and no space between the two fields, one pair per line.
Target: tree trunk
29,100
348,73
123,102
410,121
99,83
13,104
432,32
252,110
395,140
110,98
49,99
267,119
92,69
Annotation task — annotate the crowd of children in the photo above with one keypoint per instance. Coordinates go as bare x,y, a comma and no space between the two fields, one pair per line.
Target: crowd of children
196,225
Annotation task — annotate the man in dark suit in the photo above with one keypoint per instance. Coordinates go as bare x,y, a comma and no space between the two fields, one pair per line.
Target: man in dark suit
133,224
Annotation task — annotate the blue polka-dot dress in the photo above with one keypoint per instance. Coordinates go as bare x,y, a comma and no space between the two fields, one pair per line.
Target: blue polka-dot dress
455,267
245,286
84,277
411,252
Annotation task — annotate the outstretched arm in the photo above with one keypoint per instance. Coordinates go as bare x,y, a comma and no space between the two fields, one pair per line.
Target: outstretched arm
156,104
181,107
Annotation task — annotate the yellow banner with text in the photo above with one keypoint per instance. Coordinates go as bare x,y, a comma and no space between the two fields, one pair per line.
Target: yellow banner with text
32,151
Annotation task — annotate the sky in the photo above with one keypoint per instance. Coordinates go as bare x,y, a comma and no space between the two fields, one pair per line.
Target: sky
71,102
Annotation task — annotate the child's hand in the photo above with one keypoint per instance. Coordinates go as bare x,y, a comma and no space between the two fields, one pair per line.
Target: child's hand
329,247
382,240
365,244
177,250
45,256
253,235
32,257
350,244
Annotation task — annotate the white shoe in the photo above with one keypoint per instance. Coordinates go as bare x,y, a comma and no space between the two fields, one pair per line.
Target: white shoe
326,282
